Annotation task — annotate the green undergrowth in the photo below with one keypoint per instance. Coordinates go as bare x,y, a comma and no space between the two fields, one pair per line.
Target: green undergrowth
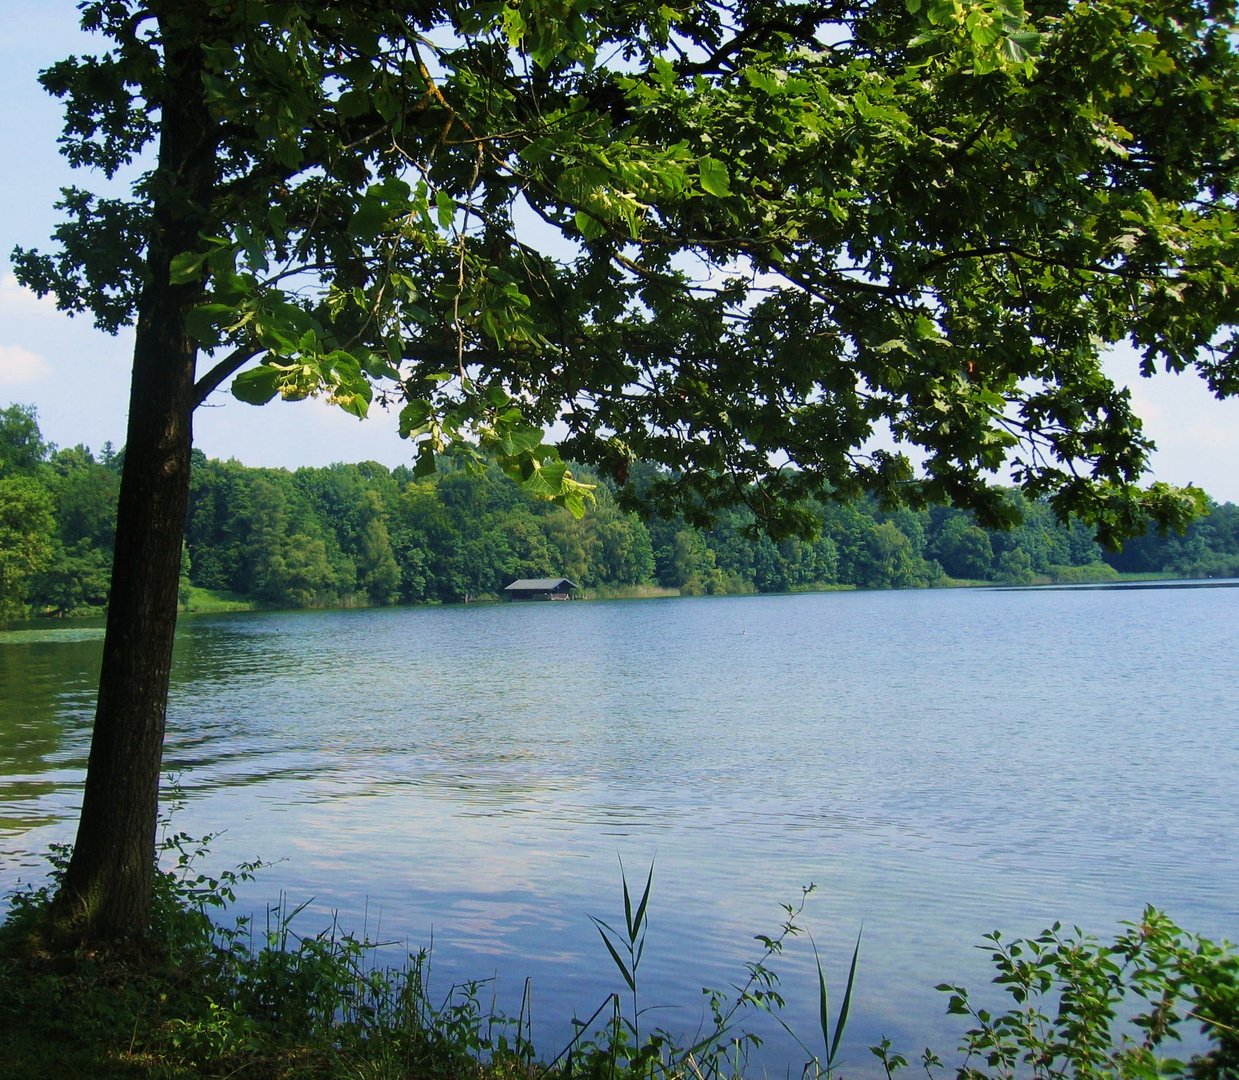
215,600
201,998
630,592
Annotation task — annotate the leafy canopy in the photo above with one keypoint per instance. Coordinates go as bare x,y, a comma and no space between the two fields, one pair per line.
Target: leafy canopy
736,238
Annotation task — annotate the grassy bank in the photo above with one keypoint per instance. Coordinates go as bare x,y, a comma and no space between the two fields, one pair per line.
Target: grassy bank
199,999
628,592
215,600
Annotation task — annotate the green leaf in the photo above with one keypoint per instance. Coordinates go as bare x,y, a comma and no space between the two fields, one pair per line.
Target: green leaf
847,1003
574,503
715,178
205,322
619,962
424,466
823,1006
186,267
639,919
414,416
536,481
521,440
590,227
761,80
446,207
368,220
386,103
258,385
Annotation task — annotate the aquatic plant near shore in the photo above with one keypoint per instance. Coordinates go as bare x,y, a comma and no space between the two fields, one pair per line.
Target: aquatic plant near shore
201,998
724,1049
1085,1010
632,941
204,1000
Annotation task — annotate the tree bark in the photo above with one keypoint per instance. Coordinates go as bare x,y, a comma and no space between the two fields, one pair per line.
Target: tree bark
109,879
107,886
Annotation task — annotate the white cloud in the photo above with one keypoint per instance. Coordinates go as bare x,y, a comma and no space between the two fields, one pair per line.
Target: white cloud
19,366
1197,435
1145,406
15,298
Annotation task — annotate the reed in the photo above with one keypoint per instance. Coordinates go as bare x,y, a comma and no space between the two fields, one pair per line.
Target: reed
204,998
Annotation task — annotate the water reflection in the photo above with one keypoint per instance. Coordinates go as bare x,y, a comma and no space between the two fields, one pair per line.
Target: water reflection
47,690
941,764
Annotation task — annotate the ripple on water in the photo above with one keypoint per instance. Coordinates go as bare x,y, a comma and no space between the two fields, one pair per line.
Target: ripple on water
940,764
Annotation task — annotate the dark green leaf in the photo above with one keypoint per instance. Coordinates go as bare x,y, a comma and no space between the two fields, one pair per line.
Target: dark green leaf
258,385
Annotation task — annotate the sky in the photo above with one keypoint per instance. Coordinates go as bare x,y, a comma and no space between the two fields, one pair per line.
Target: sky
78,377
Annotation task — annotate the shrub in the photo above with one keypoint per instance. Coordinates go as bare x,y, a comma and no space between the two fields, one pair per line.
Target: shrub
1084,1010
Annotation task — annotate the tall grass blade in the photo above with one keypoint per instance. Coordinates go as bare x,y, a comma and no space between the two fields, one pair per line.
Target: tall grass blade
602,924
582,1026
823,1006
619,961
847,1001
286,919
632,930
645,899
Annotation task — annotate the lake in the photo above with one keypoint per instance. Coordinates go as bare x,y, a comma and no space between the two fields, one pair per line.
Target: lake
940,764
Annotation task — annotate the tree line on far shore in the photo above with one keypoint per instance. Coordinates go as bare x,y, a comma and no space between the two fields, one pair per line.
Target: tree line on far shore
364,534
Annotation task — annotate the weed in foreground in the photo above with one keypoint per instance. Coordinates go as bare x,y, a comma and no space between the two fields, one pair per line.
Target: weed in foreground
208,1000
1085,1010
204,999
723,1050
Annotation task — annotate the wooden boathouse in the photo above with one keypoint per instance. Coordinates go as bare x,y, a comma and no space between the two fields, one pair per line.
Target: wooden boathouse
559,588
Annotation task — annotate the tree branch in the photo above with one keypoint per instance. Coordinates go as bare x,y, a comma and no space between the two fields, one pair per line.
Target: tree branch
231,363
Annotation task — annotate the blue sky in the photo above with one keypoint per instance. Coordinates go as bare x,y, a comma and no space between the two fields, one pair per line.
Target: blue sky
78,378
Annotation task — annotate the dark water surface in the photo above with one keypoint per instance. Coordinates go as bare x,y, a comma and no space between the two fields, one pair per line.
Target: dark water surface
941,764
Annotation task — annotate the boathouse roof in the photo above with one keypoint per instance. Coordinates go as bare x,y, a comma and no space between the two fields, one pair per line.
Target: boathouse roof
541,584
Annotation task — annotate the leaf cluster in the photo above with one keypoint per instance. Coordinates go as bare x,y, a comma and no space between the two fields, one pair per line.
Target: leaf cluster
736,240
1087,1010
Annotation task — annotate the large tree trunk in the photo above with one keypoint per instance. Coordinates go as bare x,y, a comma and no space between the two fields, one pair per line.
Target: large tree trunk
107,887
109,879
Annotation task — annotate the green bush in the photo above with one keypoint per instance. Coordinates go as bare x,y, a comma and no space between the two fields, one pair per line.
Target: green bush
1083,1010
1082,575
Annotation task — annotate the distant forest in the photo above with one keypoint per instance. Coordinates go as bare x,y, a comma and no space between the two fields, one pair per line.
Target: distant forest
368,535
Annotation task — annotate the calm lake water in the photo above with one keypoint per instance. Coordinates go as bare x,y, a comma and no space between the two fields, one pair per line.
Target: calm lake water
940,764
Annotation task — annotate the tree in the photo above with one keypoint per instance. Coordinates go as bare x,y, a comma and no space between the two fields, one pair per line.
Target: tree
26,547
933,213
886,560
85,500
22,447
27,519
625,554
1014,567
378,575
74,580
964,550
